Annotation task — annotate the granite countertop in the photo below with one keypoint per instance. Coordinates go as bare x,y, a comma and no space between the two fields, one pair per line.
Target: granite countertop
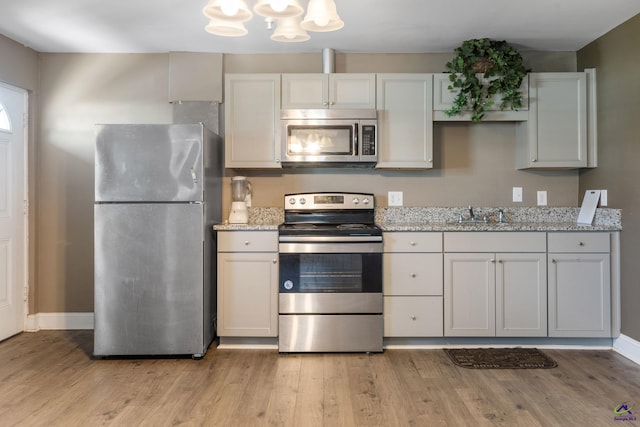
443,219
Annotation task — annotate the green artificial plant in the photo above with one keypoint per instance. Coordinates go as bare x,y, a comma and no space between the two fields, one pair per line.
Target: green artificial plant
480,69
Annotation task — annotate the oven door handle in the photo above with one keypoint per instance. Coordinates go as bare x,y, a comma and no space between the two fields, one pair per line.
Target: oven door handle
330,239
330,248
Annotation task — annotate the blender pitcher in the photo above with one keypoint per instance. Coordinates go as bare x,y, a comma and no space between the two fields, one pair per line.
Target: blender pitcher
240,200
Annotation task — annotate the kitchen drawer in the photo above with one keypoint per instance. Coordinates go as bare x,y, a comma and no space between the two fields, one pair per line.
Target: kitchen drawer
413,317
247,241
400,241
480,241
412,274
579,242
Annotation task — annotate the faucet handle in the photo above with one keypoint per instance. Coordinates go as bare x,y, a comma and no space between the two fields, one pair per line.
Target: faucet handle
501,216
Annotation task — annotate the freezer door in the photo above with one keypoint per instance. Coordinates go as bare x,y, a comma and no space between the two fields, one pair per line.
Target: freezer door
149,163
148,279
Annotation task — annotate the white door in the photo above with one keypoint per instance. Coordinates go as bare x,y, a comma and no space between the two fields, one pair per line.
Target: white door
13,107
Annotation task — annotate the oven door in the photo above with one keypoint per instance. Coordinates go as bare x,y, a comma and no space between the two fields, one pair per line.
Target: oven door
330,278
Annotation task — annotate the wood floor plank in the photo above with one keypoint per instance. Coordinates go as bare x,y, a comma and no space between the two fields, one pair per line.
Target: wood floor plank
49,378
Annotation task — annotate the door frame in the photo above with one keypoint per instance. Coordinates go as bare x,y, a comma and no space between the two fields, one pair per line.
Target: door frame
25,201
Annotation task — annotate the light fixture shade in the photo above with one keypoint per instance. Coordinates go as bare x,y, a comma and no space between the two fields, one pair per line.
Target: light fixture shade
322,16
228,10
277,9
225,28
288,30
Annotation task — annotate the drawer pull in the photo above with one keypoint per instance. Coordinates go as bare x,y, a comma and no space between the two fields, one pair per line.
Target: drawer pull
412,317
246,243
581,244
412,243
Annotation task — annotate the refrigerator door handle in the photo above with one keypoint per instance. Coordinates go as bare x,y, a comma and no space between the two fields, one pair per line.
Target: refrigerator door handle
194,176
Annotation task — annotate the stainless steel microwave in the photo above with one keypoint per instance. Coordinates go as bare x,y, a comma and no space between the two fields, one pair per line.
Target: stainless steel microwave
329,137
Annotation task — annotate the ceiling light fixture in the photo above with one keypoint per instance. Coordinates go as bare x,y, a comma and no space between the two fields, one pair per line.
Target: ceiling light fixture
227,18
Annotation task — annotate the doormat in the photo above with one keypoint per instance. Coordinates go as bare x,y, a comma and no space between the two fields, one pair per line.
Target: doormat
500,358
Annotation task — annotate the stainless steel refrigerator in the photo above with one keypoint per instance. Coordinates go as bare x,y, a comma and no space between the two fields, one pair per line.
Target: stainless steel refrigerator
157,196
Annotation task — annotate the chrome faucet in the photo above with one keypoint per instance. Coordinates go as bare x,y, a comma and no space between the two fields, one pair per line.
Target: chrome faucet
472,216
502,218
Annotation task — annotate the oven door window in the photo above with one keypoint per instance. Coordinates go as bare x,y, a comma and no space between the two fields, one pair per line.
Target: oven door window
320,140
307,273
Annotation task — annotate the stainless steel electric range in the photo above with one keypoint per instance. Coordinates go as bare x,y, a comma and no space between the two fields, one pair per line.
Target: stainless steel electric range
330,274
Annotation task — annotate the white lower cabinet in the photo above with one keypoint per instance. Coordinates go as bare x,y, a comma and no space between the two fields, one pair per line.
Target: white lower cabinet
579,285
247,284
495,293
412,284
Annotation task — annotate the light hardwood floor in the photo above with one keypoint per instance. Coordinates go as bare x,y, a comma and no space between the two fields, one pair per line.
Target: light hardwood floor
49,378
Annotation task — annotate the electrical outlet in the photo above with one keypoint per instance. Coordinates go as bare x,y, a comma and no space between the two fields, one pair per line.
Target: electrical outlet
542,198
603,198
395,198
517,194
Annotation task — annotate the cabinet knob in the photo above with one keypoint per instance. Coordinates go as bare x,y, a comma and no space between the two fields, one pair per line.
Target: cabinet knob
430,160
492,260
534,160
275,261
247,243
412,243
412,317
414,275
277,160
553,261
500,261
581,244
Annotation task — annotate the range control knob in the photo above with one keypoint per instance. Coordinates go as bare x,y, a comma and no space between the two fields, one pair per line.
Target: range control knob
292,201
302,201
356,201
365,201
288,285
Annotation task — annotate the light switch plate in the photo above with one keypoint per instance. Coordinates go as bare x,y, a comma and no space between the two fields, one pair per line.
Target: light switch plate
517,194
603,198
542,198
395,198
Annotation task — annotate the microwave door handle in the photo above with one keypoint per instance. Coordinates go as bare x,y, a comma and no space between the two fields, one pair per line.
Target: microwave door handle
356,140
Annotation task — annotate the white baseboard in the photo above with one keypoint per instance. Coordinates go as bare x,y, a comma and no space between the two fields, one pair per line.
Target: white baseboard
40,321
628,347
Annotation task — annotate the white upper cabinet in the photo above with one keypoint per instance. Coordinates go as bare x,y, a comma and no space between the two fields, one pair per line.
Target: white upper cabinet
252,121
318,91
405,121
443,100
560,130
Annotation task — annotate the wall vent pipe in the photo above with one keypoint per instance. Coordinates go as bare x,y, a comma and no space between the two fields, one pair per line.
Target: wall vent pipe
328,60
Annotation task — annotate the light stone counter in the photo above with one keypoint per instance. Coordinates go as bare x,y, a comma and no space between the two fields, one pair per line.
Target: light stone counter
260,219
443,219
518,219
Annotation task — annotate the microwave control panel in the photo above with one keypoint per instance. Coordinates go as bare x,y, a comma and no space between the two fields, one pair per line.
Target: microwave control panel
368,140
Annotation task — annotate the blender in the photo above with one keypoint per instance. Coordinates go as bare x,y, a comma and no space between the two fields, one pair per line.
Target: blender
240,200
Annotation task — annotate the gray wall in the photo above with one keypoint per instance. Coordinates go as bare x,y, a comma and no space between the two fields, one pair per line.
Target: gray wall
617,59
474,164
